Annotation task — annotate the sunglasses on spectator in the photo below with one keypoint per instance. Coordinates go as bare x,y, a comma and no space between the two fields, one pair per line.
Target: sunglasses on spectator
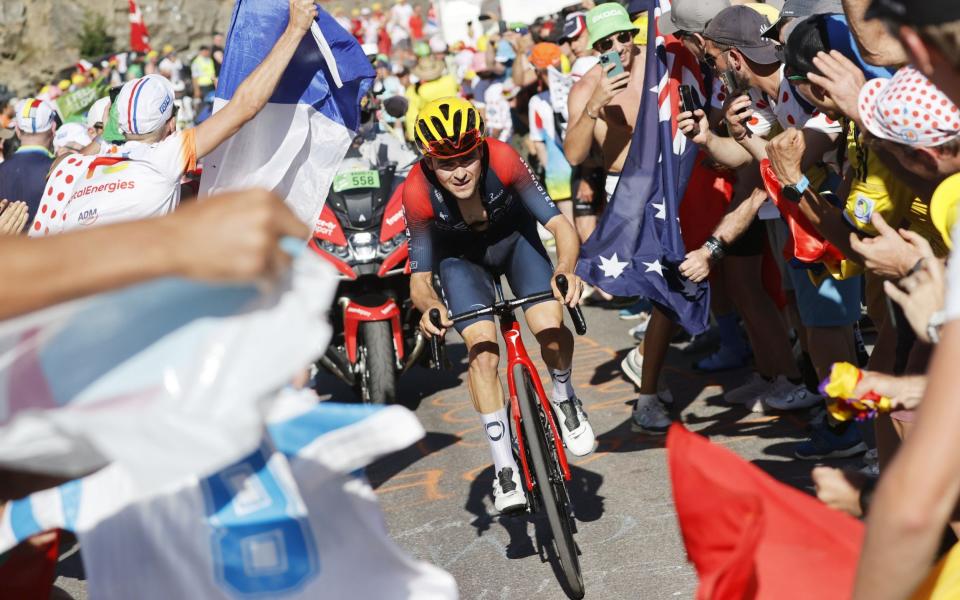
624,37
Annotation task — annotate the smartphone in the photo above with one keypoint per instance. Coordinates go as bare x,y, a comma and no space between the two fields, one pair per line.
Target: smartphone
611,58
687,102
729,81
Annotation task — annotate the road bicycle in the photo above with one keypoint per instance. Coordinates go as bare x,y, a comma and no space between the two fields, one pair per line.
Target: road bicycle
533,425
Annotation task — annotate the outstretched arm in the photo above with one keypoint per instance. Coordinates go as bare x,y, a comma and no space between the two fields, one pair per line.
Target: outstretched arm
252,95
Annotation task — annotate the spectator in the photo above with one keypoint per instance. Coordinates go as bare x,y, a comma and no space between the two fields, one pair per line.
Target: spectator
399,25
13,217
97,116
70,138
141,178
22,175
216,52
416,23
171,66
432,82
8,113
204,74
151,67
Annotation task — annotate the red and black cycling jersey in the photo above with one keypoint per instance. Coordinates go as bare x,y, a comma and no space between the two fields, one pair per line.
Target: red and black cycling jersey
512,196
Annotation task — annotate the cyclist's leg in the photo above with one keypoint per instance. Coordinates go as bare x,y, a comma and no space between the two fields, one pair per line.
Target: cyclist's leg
466,286
528,269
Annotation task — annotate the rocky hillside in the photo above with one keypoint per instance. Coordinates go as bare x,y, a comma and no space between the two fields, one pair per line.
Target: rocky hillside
38,38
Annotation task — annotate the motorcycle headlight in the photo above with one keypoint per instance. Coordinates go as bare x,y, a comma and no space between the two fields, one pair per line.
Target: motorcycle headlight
331,248
393,243
364,246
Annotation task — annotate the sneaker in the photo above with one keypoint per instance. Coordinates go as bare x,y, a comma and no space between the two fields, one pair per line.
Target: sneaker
790,396
724,359
639,331
632,367
825,442
508,496
637,310
649,416
575,429
749,393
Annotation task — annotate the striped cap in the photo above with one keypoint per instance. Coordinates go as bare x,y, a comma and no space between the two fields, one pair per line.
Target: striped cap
145,104
35,115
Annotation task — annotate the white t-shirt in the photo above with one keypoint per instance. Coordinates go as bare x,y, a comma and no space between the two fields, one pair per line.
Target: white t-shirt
498,111
124,183
171,69
763,115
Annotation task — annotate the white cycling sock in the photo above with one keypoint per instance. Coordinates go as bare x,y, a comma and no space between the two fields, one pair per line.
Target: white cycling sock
497,430
562,386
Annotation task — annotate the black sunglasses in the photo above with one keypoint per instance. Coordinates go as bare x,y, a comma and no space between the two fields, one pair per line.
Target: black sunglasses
624,37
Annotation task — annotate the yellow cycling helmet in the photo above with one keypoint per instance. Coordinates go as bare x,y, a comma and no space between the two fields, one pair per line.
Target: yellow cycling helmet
448,128
943,207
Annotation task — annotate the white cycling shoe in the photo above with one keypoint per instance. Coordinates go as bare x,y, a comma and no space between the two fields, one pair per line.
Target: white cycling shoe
508,496
575,429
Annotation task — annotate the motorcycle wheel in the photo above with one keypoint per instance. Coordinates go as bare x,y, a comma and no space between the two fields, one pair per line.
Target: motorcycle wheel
381,373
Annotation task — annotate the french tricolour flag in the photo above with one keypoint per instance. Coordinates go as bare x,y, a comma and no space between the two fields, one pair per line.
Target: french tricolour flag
296,143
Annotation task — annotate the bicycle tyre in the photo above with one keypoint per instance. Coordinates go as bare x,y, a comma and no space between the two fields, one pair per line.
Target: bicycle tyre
548,477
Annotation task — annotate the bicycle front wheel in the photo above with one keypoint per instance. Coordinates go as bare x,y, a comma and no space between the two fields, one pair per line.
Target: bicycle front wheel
542,452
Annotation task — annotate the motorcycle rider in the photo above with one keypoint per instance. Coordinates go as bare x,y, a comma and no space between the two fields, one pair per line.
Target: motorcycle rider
472,207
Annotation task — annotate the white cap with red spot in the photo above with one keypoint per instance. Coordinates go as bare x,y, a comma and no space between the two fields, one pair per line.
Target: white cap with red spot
908,109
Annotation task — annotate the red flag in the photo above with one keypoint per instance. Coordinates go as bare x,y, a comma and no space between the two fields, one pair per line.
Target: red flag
139,37
752,537
30,569
808,244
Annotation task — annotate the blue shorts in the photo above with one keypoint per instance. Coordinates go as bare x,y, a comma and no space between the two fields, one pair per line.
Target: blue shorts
467,281
829,303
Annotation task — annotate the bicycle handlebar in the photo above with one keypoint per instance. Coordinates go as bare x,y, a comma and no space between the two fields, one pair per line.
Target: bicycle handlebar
436,342
576,315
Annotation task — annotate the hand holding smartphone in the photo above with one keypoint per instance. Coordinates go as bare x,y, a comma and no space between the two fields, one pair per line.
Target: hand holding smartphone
611,58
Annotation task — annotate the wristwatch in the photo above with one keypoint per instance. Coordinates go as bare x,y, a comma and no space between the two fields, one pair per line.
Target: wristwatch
795,191
716,248
933,326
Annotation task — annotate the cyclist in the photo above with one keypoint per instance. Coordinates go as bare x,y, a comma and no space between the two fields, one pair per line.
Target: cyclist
472,207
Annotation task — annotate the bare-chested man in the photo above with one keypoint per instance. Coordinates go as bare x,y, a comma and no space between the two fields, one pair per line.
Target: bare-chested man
603,111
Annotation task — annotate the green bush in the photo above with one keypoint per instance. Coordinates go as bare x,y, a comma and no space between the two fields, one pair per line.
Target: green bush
93,40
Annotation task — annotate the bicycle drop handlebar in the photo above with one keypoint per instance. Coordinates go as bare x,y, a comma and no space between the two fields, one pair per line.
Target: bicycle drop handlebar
500,308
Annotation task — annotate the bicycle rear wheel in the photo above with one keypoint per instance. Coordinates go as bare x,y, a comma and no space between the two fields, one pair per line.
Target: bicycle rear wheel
549,479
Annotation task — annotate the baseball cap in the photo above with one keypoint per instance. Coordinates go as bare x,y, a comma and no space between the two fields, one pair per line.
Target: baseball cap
544,54
801,9
928,12
574,25
908,109
35,115
690,15
606,19
740,27
95,112
145,104
73,135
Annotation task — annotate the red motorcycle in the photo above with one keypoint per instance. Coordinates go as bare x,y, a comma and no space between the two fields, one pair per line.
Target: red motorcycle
362,232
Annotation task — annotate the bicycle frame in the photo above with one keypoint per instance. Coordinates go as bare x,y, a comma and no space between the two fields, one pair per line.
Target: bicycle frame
517,356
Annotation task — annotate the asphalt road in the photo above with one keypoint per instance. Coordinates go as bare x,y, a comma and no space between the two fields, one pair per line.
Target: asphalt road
437,499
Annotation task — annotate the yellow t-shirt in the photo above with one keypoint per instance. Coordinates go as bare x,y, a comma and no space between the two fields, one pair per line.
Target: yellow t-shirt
876,190
419,95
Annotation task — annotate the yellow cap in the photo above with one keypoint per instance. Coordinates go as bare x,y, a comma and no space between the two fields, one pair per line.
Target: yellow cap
376,6
152,54
355,12
766,10
77,79
64,84
641,23
44,90
167,49
943,207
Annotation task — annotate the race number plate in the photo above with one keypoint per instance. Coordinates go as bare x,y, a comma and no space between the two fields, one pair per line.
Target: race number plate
356,179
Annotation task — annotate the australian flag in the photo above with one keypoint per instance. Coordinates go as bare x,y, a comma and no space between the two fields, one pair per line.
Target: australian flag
636,249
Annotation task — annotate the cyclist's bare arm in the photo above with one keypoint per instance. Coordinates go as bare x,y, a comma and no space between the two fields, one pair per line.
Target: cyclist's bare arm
425,299
252,95
568,249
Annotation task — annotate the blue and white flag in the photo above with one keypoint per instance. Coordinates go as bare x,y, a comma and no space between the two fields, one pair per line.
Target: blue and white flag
163,380
294,519
294,146
636,249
